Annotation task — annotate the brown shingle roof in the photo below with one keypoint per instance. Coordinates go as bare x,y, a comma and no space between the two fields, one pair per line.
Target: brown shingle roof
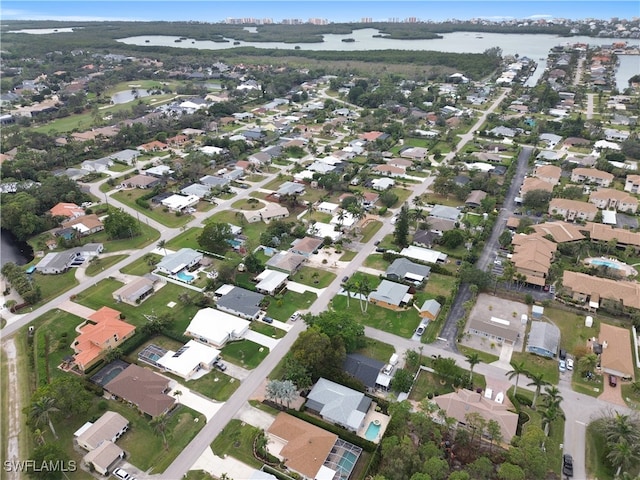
306,446
598,231
617,355
627,292
560,231
532,183
143,388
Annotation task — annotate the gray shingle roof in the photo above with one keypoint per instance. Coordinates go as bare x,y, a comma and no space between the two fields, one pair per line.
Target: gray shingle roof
241,300
401,266
544,336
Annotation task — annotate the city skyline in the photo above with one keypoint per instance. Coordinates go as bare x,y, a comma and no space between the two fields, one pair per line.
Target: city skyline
351,11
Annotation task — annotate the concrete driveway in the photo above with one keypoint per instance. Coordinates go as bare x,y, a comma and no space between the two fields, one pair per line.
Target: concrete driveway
217,466
261,339
254,416
76,309
195,401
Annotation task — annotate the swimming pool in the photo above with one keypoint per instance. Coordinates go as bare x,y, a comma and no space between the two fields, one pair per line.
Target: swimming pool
606,263
184,277
611,263
347,461
372,431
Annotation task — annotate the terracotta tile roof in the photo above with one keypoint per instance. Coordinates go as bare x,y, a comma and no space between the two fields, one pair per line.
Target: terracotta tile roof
548,171
69,210
560,231
572,205
616,356
627,292
533,253
306,446
592,172
598,231
90,221
533,183
613,194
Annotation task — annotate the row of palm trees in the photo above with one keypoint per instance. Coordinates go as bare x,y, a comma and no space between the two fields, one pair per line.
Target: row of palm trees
362,288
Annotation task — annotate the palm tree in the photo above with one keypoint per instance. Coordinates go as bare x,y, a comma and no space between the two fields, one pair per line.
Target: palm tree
537,380
473,359
348,286
364,289
177,394
518,368
159,425
622,455
550,415
38,435
551,397
162,244
41,411
622,427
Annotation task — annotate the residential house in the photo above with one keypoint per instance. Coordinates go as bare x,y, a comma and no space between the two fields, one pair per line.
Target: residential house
101,332
324,230
215,327
461,403
632,184
272,211
97,166
159,171
595,290
178,203
136,291
616,358
141,181
197,190
391,295
234,175
389,170
306,246
127,156
214,182
424,238
103,458
615,135
430,310
55,263
475,198
85,225
495,329
424,255
561,232
191,358
532,257
67,210
185,258
109,427
338,404
551,139
608,198
503,132
287,262
154,146
291,188
572,209
301,446
403,270
532,183
445,212
543,339
592,175
382,184
363,368
271,281
143,389
239,301
548,173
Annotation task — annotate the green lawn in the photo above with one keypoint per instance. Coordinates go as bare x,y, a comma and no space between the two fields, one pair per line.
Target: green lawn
426,383
437,284
402,323
485,357
282,309
168,218
536,364
187,239
143,265
100,294
236,439
593,388
573,333
251,230
378,350
248,204
314,277
267,329
53,286
377,262
370,230
244,353
276,182
597,466
347,256
402,194
214,384
147,235
99,264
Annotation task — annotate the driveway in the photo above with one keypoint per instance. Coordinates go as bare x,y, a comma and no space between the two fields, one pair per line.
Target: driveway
194,400
217,466
254,416
261,339
612,394
301,288
76,309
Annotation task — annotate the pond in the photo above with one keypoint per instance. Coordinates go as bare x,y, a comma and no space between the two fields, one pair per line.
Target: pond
127,96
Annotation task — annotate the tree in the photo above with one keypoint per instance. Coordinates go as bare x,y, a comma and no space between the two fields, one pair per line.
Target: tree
452,238
517,369
505,239
509,471
41,411
342,325
481,468
623,455
549,416
537,200
363,289
401,231
538,381
388,198
162,245
177,394
159,425
551,397
253,263
215,236
119,224
297,373
402,381
49,454
473,359
316,350
620,427
587,364
477,424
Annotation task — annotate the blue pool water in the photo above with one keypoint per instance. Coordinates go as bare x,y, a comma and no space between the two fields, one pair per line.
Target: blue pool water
372,431
234,242
184,277
347,461
606,263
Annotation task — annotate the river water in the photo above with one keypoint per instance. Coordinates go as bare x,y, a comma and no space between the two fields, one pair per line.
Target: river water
535,47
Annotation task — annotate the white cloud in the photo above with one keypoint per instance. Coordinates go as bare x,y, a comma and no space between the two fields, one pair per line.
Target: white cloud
539,16
16,14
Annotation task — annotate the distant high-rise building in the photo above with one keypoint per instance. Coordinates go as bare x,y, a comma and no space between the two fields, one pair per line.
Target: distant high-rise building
318,21
394,20
411,20
366,20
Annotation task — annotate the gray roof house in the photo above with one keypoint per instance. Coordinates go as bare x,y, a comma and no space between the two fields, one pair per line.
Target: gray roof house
291,188
338,404
430,309
59,262
390,295
447,213
287,262
241,302
127,156
363,368
110,426
214,182
175,262
198,189
543,339
403,269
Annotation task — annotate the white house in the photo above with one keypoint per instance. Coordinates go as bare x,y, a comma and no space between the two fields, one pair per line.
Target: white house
270,281
327,207
215,327
381,184
189,359
177,203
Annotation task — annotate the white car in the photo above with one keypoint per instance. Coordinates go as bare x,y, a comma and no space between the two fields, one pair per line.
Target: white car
121,474
497,262
569,363
562,366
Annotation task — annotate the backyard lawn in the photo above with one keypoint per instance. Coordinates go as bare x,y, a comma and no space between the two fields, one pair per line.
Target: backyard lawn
402,323
376,261
548,367
573,333
244,353
438,284
314,277
168,218
143,265
281,309
99,264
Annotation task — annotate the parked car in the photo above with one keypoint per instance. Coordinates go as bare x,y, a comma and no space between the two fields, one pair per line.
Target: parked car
613,381
562,355
121,474
376,243
267,320
220,366
567,465
380,250
295,316
420,330
569,363
497,262
345,278
562,366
